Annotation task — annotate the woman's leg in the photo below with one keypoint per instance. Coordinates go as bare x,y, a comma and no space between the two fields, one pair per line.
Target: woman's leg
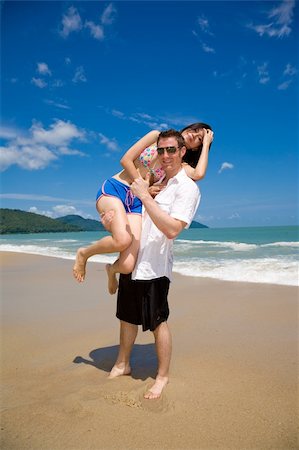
120,239
127,258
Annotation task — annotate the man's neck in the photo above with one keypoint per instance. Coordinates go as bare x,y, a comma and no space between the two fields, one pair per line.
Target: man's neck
171,173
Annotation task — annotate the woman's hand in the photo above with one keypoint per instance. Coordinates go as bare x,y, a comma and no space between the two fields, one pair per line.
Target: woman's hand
155,189
208,136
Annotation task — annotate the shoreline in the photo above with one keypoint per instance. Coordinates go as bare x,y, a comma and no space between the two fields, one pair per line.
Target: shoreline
175,273
233,380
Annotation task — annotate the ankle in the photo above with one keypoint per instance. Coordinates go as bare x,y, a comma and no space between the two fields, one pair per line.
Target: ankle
163,378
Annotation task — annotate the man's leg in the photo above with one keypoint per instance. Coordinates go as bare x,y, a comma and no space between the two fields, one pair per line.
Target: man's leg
163,347
128,333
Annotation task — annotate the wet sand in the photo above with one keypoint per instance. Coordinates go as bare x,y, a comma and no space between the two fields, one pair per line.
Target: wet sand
233,375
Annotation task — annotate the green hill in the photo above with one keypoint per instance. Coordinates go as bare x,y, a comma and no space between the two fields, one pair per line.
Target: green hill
17,221
83,224
95,225
195,224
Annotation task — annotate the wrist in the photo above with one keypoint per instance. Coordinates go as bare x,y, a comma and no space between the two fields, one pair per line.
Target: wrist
145,197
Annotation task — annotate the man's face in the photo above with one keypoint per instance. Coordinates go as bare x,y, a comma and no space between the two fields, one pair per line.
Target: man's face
171,162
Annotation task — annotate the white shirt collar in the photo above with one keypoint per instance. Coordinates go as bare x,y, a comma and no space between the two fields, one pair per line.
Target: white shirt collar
181,174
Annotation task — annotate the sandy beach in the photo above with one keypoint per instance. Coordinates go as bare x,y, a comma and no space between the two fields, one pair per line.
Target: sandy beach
233,374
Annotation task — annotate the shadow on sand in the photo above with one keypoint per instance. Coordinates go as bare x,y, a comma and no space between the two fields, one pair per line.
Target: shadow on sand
143,360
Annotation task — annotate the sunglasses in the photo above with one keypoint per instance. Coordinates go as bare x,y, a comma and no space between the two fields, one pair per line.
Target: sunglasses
169,150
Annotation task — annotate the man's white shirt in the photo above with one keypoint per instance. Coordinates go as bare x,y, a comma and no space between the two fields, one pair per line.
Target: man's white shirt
180,199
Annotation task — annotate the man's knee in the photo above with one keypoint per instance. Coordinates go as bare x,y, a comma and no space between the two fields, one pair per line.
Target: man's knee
159,327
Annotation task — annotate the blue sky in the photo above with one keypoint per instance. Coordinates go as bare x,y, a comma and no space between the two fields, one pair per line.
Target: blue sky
82,81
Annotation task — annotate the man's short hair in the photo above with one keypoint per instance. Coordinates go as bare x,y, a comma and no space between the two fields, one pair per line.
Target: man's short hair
172,133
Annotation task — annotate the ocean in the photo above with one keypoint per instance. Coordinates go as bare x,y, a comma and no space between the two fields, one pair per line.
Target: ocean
255,254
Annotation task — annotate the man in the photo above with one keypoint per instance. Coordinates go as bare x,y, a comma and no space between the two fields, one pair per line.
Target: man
143,299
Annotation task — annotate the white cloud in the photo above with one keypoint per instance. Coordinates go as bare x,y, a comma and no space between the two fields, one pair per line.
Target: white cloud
39,147
111,144
144,116
225,166
64,210
263,73
57,105
283,86
8,132
264,80
57,83
60,133
79,75
28,157
45,198
67,60
108,15
39,82
97,31
35,210
107,18
206,48
290,70
204,24
281,18
43,69
70,151
59,211
118,114
71,22
235,215
203,219
156,122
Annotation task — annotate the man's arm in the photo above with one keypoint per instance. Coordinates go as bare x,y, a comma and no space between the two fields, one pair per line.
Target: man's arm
169,226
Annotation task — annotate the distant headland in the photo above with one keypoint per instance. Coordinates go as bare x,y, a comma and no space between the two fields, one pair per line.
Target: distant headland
18,221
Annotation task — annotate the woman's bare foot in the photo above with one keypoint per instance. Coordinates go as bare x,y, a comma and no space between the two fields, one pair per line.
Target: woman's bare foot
156,390
119,370
79,266
112,280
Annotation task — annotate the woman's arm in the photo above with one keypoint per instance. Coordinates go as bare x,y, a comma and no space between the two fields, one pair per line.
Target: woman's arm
198,172
127,161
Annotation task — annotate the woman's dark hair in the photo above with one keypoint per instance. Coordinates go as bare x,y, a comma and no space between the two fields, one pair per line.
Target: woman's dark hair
191,157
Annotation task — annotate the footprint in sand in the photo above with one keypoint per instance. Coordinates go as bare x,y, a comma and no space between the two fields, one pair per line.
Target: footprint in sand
135,399
124,398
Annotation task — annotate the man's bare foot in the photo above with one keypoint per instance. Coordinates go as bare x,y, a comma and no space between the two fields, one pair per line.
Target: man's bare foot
79,266
119,370
156,390
112,280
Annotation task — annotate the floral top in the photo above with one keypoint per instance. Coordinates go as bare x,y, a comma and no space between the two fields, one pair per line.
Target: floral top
146,157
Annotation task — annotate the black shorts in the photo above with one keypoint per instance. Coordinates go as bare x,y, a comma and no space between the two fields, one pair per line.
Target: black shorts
143,302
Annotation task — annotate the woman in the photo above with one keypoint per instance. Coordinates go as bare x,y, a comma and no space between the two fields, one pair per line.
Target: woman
115,195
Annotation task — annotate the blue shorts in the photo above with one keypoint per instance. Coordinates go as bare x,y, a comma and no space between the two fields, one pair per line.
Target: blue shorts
114,188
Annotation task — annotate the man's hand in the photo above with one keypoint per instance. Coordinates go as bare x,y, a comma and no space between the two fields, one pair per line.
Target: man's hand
139,187
155,189
106,219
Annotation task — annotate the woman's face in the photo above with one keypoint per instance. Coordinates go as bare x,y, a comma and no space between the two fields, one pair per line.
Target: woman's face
193,138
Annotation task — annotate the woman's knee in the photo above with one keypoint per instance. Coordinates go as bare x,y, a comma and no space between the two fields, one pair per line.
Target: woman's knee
123,241
127,266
